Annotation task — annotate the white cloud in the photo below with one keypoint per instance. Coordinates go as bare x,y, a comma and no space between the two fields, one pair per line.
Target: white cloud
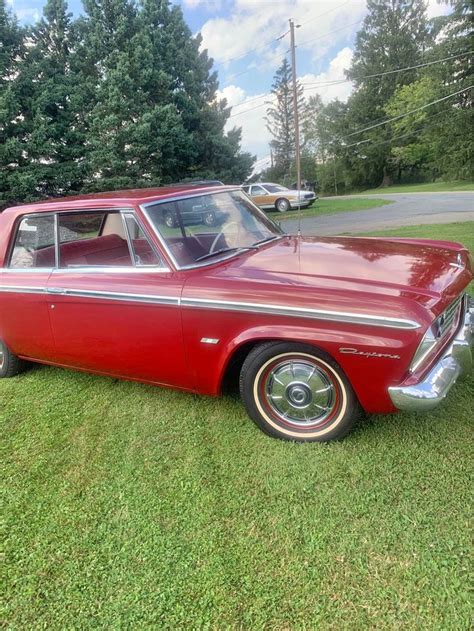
249,111
434,9
233,94
27,15
252,24
335,72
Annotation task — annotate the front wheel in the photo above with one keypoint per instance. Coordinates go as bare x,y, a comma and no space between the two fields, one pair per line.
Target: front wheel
10,364
282,205
296,392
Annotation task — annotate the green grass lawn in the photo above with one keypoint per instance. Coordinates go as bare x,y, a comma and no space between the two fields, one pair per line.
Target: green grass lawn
128,506
331,206
433,187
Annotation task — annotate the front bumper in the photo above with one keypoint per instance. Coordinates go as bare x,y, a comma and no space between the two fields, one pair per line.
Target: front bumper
456,361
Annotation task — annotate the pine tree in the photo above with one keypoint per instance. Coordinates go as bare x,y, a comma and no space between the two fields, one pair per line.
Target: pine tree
394,35
11,52
280,119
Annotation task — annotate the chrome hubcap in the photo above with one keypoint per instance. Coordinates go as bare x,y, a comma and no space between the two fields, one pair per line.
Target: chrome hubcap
282,205
2,357
300,393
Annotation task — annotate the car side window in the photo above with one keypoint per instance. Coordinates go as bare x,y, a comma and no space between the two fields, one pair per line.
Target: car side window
34,244
94,239
258,190
142,251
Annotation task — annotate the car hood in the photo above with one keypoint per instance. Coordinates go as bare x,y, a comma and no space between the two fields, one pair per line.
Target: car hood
342,272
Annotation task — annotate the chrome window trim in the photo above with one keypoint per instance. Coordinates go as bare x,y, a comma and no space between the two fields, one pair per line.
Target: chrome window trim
176,198
16,227
133,214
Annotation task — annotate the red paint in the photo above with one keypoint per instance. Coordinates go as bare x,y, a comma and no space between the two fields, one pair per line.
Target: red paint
398,278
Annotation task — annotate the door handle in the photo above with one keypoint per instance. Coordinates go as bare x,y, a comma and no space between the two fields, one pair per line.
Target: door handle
56,290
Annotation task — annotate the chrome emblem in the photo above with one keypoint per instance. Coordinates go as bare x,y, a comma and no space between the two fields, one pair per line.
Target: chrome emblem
356,351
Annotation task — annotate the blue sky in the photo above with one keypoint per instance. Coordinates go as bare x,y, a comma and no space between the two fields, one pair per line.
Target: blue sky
232,28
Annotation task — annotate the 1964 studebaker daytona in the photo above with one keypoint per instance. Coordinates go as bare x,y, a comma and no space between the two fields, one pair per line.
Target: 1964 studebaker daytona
314,329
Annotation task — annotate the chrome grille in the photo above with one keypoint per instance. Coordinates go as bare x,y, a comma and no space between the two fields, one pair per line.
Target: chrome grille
449,317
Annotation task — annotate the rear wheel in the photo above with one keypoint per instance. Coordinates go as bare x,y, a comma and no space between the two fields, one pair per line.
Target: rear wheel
209,219
170,220
296,392
282,205
10,364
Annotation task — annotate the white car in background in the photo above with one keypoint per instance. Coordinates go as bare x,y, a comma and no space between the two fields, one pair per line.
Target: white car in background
269,196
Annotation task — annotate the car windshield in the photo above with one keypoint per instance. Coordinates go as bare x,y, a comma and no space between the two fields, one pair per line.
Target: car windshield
275,188
203,228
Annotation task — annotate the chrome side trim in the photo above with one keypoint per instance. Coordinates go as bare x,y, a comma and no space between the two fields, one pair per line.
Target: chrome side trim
22,289
112,295
147,269
26,270
301,312
223,305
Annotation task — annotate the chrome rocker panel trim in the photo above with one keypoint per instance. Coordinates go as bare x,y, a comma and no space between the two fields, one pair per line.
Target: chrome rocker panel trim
456,361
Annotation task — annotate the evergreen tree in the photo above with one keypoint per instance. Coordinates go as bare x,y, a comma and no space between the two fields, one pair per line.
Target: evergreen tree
11,52
394,35
281,121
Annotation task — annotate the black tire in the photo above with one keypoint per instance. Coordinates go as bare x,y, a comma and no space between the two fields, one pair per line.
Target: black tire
305,368
170,220
282,205
209,219
10,364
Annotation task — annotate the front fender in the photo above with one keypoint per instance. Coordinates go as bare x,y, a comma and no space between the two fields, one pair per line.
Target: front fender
378,357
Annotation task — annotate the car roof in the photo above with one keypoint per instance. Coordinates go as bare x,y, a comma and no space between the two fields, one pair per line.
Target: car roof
115,199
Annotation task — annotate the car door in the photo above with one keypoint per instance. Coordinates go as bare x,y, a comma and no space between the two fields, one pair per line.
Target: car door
114,305
24,318
260,196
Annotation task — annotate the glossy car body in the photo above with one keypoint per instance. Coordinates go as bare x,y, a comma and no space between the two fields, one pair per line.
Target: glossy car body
367,303
268,195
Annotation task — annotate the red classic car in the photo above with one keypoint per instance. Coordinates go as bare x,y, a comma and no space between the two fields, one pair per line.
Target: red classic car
313,329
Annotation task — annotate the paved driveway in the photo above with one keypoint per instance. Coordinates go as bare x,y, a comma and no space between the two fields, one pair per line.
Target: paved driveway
407,209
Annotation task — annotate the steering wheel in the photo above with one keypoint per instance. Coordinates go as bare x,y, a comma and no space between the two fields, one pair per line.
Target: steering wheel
221,234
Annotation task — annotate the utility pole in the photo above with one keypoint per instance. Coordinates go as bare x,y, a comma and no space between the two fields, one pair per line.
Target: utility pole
296,116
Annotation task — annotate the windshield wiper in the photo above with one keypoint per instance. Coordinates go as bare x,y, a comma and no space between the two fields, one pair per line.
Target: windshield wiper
222,250
268,239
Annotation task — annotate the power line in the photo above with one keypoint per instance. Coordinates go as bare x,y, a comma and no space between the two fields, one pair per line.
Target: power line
233,76
308,41
410,133
325,13
382,74
417,109
273,40
306,86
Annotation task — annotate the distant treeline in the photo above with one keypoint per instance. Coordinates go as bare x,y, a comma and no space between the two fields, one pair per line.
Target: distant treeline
410,116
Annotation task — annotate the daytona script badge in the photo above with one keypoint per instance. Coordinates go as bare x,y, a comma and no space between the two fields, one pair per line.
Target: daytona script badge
355,351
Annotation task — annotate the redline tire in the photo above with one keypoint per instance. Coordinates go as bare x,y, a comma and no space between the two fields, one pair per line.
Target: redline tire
10,364
296,392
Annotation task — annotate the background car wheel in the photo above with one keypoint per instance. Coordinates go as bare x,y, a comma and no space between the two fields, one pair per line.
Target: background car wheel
10,364
296,392
282,205
209,219
170,220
